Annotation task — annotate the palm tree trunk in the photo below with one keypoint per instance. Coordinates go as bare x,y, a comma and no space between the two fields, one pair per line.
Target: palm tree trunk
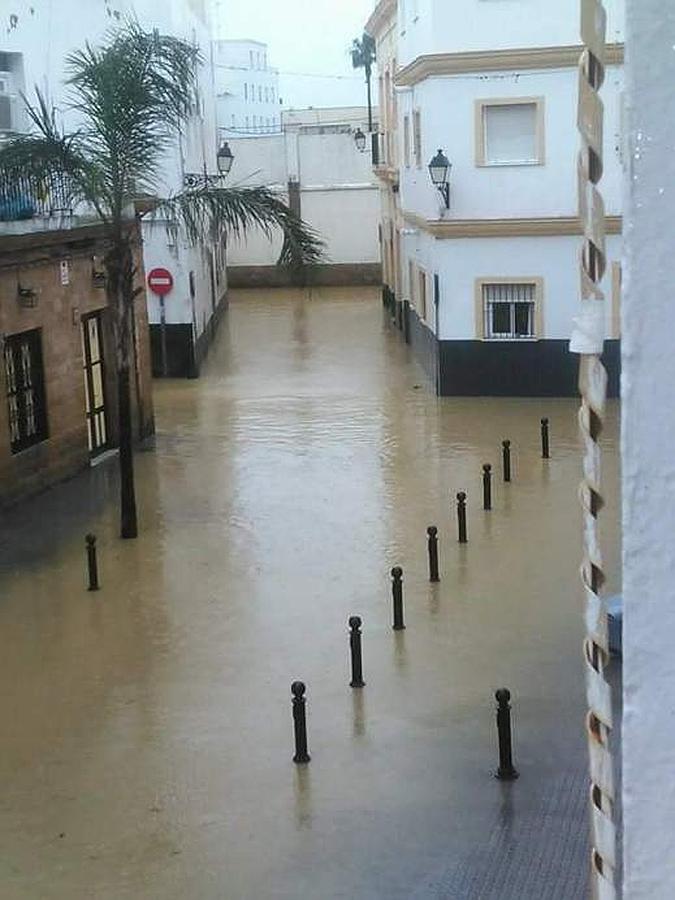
120,287
128,515
370,101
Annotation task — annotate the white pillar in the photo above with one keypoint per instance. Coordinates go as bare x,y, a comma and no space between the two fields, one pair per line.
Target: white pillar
649,457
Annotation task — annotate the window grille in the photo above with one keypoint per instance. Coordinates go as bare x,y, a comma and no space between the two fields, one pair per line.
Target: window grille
509,311
24,380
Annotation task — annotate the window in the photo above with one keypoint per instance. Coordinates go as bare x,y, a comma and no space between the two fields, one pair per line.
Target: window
94,383
250,56
422,275
509,310
411,282
406,141
510,132
260,93
272,94
245,92
24,382
247,123
417,137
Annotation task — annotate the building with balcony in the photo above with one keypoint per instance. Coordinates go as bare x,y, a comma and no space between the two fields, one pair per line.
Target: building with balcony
247,89
488,269
33,51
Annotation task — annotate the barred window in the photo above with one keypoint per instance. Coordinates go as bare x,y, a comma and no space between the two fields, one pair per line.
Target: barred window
509,310
24,383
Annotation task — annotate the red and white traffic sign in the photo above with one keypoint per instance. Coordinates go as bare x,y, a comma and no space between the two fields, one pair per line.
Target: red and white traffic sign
160,281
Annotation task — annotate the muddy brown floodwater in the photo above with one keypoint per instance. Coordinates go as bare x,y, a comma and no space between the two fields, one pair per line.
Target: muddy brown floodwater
146,740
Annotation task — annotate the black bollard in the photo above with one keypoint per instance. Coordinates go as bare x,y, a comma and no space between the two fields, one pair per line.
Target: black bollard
397,593
300,723
545,440
506,770
92,564
487,486
355,647
461,517
432,532
506,456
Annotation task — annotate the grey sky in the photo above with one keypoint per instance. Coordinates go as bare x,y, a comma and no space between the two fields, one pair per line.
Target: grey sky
304,36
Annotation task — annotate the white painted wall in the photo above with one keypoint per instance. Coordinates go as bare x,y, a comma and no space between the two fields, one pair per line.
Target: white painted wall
247,89
437,26
485,192
45,36
338,192
647,459
459,262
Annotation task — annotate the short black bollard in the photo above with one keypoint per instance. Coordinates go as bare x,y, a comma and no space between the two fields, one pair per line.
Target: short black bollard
432,532
92,563
487,486
461,517
300,723
506,457
545,440
355,647
397,593
506,770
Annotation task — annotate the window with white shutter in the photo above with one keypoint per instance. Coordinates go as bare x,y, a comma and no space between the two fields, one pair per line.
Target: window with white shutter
510,132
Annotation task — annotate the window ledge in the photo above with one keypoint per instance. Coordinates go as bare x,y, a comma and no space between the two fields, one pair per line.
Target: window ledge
504,165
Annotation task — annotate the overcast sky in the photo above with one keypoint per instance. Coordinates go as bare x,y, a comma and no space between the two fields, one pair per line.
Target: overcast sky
304,36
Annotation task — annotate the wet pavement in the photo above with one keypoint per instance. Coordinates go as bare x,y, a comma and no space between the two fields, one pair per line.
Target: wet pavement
147,739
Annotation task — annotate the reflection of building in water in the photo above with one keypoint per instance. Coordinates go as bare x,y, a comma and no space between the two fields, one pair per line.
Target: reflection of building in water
485,271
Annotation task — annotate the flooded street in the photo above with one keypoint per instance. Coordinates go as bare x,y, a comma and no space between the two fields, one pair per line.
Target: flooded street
147,735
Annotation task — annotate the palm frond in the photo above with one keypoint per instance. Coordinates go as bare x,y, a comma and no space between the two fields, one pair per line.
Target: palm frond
134,93
52,161
212,211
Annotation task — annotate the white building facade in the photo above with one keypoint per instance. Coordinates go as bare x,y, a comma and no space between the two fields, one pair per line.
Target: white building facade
385,152
315,166
488,284
247,89
33,51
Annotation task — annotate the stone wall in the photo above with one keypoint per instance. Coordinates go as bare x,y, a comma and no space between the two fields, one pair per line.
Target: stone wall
34,261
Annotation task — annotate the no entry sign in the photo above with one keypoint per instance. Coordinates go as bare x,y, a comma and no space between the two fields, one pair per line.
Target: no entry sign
160,281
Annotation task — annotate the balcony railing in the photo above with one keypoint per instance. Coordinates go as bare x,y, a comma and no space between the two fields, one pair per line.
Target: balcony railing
27,197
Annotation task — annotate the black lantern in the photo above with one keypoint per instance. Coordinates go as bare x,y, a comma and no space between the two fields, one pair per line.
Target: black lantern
360,140
225,158
439,170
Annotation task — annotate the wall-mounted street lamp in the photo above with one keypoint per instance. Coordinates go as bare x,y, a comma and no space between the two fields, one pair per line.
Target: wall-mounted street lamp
360,140
439,170
224,159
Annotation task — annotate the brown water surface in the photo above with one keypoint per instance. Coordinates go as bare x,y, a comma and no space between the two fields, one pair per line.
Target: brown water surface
146,743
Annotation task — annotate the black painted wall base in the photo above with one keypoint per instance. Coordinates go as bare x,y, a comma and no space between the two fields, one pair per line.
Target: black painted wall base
501,369
180,351
184,355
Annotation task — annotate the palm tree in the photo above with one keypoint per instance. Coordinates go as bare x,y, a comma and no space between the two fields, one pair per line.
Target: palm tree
132,95
363,57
